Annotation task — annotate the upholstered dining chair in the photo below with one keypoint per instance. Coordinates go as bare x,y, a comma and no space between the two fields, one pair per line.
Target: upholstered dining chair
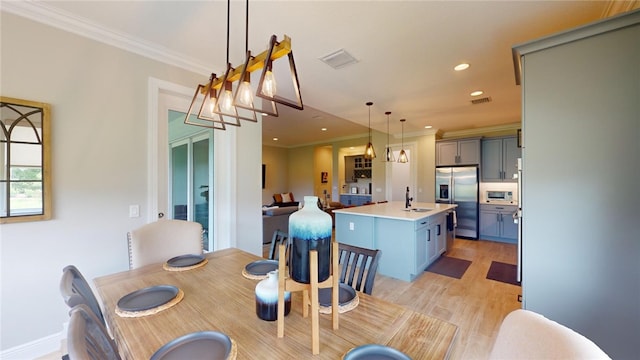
75,290
87,338
525,334
163,239
279,237
355,262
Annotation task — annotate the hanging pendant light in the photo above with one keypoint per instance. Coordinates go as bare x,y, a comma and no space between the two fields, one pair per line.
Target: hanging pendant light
403,155
389,152
369,151
192,118
243,98
224,105
221,102
267,87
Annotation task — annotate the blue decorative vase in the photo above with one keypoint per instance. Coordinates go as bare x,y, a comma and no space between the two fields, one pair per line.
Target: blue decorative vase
267,298
309,229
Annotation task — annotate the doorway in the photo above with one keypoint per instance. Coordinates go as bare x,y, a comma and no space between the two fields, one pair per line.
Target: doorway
401,175
190,174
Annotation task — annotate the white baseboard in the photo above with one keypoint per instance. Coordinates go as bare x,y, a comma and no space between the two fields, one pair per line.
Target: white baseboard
35,349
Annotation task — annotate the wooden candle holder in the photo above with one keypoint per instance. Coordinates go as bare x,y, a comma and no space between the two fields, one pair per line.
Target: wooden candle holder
309,289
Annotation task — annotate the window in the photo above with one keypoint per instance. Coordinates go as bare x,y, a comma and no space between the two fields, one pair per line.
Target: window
25,181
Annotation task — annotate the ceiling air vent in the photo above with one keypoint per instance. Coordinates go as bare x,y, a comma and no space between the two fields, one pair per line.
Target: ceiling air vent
481,100
339,59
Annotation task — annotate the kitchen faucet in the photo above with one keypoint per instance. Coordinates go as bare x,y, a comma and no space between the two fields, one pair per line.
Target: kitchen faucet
408,200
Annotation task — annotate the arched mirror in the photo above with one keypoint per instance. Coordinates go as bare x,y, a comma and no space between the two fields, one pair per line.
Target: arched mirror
25,174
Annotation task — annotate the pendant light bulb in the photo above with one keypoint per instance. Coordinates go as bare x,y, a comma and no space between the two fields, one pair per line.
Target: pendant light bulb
226,98
245,98
270,87
212,101
369,151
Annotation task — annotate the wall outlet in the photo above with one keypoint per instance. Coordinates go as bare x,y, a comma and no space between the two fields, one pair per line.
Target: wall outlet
351,226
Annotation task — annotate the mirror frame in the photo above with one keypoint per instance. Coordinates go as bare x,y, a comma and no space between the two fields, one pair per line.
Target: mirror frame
46,161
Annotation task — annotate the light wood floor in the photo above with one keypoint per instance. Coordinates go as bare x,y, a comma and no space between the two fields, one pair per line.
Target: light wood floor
476,305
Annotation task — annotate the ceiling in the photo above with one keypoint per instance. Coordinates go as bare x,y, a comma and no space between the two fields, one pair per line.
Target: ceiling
406,51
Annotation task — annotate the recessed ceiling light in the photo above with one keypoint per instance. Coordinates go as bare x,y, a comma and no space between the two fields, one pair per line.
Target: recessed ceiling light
324,129
351,147
460,67
428,126
477,93
275,139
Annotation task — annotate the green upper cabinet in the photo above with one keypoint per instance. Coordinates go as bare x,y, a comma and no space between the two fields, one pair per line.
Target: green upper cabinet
458,152
500,159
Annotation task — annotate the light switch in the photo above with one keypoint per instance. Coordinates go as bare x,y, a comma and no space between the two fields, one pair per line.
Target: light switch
351,227
134,211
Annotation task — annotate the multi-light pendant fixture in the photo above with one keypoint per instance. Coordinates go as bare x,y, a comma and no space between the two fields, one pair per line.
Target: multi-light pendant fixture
219,106
369,151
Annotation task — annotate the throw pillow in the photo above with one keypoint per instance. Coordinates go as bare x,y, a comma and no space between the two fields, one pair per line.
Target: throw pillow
286,197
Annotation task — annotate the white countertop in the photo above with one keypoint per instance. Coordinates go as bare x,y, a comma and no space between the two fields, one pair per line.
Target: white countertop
396,210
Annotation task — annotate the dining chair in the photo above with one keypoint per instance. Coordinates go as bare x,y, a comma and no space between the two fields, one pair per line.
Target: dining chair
354,262
87,338
161,240
525,334
279,237
75,290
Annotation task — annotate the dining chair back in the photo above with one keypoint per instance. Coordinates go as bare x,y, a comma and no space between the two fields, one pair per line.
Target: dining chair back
358,266
75,290
87,338
279,237
161,240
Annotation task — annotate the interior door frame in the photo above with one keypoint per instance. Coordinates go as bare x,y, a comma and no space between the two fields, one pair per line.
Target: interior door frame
162,97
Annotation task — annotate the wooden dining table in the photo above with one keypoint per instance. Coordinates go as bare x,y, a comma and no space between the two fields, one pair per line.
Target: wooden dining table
217,297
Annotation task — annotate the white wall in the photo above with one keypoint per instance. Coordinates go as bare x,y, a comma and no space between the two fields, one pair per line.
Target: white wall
98,96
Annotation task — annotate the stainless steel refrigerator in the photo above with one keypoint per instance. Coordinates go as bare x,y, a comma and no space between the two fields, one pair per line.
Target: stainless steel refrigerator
459,185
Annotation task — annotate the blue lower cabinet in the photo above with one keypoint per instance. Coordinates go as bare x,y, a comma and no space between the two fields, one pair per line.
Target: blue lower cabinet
354,199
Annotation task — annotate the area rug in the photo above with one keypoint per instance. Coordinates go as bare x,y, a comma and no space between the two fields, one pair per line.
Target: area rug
449,266
502,272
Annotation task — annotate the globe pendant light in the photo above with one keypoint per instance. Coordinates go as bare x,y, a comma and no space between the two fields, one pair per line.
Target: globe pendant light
389,152
369,151
403,155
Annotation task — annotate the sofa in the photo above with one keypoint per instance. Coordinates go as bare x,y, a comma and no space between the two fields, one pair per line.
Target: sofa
275,218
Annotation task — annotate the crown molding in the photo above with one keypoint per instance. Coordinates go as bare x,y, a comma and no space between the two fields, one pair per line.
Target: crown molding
48,15
482,131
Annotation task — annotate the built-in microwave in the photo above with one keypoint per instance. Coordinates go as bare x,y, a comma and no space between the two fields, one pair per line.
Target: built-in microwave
498,196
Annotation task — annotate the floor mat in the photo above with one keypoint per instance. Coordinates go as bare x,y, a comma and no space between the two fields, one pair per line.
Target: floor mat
449,266
502,272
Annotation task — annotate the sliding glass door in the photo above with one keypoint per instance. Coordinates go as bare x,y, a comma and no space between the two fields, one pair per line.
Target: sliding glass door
191,178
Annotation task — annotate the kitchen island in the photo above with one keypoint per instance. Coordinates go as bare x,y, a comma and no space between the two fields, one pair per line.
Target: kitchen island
410,239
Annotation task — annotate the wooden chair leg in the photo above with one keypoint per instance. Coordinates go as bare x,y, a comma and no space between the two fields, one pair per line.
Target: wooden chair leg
281,290
315,310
